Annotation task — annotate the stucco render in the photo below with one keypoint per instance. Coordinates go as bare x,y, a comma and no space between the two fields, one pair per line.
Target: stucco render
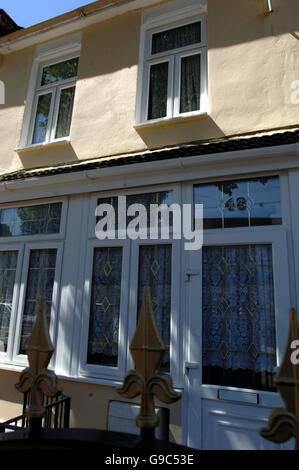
252,62
89,405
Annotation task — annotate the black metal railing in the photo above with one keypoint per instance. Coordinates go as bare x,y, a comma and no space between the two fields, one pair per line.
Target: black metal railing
57,414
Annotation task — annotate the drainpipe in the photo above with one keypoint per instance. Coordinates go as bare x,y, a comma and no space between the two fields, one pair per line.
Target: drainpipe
270,6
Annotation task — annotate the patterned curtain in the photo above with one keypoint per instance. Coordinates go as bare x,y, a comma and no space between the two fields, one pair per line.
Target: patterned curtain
157,105
239,344
40,283
105,307
190,83
155,271
176,38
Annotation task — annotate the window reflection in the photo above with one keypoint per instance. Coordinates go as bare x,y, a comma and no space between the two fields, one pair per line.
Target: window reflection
242,203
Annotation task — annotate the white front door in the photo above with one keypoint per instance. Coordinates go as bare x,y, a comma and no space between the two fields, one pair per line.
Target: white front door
238,302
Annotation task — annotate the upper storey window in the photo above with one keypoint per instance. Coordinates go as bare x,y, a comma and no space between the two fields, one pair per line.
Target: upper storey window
172,80
51,93
54,101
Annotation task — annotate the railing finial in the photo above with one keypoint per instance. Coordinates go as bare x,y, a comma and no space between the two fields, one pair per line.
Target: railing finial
147,349
283,423
37,378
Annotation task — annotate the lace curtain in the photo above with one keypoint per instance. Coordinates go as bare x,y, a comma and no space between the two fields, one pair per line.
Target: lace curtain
238,309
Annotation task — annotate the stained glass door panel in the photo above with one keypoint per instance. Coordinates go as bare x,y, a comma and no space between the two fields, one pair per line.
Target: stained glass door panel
239,337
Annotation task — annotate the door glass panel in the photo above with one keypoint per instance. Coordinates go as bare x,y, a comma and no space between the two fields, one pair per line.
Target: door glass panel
190,84
105,307
65,112
30,220
41,120
243,203
155,272
176,37
40,283
239,339
8,267
157,102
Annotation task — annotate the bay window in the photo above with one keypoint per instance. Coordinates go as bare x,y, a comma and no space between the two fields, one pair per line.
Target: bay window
30,258
116,273
242,321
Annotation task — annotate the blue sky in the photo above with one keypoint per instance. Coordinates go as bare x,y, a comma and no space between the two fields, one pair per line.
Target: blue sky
28,12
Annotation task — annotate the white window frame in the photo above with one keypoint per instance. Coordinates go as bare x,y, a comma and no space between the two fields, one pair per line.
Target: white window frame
128,306
6,357
173,57
274,235
176,279
21,359
94,370
48,54
24,244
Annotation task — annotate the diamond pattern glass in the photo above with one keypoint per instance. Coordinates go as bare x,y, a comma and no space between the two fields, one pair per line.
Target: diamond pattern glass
155,271
105,307
239,339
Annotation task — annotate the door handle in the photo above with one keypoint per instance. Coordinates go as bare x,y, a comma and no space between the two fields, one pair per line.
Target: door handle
191,365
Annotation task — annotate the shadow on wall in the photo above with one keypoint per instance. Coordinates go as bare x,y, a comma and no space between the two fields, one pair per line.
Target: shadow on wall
188,130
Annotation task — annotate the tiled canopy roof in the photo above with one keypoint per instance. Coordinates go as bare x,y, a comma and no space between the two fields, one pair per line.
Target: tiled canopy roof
187,150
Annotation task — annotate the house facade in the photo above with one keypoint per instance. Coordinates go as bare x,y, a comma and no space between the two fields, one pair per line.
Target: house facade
164,102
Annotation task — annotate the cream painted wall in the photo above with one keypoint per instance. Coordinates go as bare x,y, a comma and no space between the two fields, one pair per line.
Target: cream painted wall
89,405
252,60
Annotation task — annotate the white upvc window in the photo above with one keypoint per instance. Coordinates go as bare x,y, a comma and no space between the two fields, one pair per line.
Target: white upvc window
31,237
50,99
116,272
172,79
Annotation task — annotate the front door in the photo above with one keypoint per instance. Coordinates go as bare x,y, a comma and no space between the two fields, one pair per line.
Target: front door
238,302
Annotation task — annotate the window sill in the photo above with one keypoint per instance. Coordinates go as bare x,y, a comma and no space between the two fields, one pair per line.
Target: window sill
169,121
47,145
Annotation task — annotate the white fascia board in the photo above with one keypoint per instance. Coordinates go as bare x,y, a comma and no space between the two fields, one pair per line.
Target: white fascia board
270,159
74,24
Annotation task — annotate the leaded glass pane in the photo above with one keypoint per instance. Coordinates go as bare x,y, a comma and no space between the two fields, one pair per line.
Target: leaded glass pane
30,220
40,283
155,272
105,307
8,267
176,38
61,71
41,119
190,84
240,203
158,90
65,112
161,197
239,338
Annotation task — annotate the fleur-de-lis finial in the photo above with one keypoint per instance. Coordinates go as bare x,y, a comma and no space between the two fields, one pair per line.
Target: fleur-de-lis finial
283,423
37,378
147,349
